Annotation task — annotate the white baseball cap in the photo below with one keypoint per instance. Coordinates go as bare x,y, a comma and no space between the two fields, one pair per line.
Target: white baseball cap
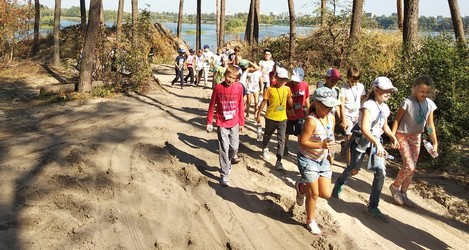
383,83
282,73
298,74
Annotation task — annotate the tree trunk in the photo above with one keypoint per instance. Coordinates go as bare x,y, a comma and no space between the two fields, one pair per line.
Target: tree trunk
399,14
37,20
457,22
256,21
92,31
323,13
101,16
83,15
180,15
249,33
217,21
411,24
56,53
355,27
134,22
120,14
221,35
198,25
291,47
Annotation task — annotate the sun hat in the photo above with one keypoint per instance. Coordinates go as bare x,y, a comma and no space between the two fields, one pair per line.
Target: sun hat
333,73
298,74
181,50
383,83
243,63
326,96
282,73
206,46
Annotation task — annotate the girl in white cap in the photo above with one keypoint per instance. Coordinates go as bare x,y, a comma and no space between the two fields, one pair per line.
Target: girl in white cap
372,123
312,156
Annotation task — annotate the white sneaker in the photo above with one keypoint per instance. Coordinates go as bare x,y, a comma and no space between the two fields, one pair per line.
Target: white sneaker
300,197
313,228
224,181
265,153
396,195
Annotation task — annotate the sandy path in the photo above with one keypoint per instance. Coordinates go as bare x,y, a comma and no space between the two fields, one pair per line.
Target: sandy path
140,172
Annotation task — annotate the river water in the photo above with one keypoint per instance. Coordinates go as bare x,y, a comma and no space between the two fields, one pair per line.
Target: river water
209,35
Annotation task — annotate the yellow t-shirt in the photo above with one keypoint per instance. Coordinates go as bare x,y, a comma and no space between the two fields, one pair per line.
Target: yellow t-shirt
277,99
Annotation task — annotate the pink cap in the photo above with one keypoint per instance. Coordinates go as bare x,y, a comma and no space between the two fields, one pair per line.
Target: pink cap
333,73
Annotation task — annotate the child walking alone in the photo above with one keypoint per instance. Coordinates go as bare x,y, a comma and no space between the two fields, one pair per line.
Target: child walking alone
312,156
228,98
373,117
415,113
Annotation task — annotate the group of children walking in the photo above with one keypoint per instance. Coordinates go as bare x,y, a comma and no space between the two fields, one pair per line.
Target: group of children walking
199,65
289,111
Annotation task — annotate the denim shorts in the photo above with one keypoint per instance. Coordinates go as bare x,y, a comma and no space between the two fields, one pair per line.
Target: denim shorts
311,170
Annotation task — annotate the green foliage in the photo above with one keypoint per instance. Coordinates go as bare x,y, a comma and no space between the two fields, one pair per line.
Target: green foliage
447,64
234,25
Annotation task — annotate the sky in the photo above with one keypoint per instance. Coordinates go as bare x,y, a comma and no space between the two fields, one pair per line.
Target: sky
377,7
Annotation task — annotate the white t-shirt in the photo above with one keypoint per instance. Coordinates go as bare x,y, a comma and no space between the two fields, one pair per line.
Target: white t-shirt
378,116
416,115
216,60
199,62
252,81
266,68
207,56
352,97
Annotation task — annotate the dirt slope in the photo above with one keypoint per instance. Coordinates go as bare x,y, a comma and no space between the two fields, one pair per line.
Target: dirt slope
140,172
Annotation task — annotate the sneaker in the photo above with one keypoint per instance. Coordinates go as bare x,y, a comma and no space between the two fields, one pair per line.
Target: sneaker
235,160
396,195
224,181
313,228
378,215
279,165
336,191
407,201
300,197
265,153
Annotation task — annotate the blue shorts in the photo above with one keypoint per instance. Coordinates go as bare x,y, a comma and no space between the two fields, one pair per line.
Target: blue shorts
311,170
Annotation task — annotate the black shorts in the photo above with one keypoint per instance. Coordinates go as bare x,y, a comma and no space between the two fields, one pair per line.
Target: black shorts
293,127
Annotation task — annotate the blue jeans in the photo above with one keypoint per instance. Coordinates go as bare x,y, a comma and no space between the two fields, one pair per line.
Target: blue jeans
376,164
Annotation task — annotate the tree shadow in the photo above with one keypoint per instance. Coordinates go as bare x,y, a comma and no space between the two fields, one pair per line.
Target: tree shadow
201,165
54,150
401,234
255,202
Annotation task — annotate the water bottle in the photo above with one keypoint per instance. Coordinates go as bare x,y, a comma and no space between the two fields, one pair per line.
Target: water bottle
209,128
387,155
429,147
259,132
330,139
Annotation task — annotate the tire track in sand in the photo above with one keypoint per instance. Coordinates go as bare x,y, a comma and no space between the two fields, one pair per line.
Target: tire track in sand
120,160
